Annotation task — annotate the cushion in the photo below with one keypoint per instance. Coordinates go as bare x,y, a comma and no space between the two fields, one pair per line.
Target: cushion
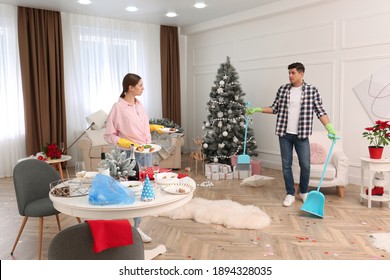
317,154
97,137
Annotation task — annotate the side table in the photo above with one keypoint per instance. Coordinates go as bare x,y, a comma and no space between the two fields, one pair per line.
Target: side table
371,166
56,163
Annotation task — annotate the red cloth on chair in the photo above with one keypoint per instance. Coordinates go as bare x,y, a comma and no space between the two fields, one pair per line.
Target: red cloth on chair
110,233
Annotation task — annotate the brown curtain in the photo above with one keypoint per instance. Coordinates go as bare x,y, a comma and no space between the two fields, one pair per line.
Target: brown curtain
41,59
170,73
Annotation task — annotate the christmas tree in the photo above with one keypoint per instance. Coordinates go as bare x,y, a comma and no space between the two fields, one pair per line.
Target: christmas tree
225,124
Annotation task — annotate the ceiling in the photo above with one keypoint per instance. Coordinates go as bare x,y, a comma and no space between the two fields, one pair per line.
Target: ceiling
149,11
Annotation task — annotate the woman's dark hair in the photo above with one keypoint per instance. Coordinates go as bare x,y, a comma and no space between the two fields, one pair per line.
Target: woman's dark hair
129,80
297,65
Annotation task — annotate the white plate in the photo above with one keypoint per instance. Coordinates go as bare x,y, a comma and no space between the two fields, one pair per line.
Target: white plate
90,174
178,188
166,178
135,186
132,184
155,147
168,130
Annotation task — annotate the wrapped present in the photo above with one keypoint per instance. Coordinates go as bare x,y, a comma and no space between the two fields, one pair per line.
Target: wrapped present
233,160
241,174
226,176
215,176
256,166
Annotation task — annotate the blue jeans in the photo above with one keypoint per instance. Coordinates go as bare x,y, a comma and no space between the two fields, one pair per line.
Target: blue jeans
302,147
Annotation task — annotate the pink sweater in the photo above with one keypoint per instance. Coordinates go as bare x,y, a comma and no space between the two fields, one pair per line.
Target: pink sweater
127,121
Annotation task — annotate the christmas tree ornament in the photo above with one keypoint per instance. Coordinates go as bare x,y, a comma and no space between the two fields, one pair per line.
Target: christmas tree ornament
225,133
147,191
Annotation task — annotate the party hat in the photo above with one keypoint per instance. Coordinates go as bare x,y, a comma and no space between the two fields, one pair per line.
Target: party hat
147,191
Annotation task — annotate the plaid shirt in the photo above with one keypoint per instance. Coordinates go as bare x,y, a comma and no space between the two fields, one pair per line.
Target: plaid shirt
311,102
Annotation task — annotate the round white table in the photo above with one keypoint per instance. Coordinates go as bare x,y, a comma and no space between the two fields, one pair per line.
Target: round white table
80,207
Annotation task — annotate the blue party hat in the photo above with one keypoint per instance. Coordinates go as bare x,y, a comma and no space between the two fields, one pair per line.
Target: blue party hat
147,191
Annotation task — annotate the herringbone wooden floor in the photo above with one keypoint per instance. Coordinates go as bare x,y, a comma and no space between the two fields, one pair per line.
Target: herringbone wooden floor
343,234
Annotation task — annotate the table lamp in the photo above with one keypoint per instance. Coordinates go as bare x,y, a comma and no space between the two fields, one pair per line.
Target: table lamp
97,120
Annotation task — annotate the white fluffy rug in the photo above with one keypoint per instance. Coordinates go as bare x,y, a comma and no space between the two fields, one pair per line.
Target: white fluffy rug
222,212
381,240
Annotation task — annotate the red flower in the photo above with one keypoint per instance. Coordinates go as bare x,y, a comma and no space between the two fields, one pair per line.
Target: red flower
52,151
379,134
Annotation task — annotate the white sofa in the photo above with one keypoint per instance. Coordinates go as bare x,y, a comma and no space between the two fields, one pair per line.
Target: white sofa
336,174
92,144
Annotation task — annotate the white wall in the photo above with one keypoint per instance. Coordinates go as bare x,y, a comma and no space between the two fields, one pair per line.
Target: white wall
340,42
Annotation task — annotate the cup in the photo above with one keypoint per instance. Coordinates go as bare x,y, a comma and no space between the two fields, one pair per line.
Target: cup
80,170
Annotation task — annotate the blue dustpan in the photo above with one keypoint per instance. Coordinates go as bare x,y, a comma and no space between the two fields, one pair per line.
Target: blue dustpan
315,201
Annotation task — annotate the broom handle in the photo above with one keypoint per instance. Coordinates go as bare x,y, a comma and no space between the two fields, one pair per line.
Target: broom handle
246,127
327,161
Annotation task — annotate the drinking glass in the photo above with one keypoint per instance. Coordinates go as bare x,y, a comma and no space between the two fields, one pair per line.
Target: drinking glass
80,170
62,146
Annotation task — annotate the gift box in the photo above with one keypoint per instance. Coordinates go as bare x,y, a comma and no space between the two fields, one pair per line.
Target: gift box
226,176
215,176
241,174
255,164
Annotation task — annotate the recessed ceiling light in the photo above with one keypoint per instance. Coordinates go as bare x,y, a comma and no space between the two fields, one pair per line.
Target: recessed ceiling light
131,9
200,5
171,14
84,2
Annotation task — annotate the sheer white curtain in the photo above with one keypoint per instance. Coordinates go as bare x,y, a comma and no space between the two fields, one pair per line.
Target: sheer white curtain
12,135
98,53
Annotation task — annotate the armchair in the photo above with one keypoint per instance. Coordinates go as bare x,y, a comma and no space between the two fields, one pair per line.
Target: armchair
336,174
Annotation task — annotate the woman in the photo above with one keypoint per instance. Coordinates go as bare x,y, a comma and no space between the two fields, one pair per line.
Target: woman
128,124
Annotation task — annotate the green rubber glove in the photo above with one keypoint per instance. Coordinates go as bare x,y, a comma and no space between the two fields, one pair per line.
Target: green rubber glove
250,111
329,127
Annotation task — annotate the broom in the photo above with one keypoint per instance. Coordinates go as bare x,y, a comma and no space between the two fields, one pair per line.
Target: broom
244,161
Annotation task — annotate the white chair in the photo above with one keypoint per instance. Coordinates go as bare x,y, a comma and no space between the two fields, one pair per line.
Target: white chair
336,174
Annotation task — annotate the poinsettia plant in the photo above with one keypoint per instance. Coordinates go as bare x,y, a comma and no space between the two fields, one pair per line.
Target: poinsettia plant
52,151
379,134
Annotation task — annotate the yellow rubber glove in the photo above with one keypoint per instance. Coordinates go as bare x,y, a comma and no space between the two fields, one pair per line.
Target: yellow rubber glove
329,127
250,111
156,127
125,143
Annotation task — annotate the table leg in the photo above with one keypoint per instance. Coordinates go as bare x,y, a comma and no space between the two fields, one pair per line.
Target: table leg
151,254
58,166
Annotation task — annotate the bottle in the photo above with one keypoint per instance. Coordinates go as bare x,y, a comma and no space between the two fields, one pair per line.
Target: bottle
103,167
136,167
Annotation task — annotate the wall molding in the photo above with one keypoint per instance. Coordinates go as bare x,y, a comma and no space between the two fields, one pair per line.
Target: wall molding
366,24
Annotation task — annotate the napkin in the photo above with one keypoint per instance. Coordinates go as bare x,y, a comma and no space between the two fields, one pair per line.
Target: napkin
149,171
110,233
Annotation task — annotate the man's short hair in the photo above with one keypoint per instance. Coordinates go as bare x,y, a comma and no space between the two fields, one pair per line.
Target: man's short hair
297,65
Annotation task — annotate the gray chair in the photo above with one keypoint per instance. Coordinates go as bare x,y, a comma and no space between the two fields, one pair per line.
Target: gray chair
31,181
76,243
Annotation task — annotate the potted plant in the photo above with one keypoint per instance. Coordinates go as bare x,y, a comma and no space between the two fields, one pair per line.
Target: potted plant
378,136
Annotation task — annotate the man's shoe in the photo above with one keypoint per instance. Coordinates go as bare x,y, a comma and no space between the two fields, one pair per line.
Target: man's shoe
303,196
145,238
290,199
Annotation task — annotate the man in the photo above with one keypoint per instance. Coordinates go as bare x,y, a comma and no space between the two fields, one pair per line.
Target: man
295,104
